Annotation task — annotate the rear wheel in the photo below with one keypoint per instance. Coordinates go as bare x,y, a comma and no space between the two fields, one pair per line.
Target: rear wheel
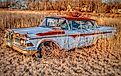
49,49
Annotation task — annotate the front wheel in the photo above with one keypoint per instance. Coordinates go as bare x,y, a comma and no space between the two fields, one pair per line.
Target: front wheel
48,49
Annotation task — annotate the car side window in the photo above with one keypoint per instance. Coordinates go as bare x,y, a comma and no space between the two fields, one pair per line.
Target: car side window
74,25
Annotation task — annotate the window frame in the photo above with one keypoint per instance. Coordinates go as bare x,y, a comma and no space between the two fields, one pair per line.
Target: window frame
93,24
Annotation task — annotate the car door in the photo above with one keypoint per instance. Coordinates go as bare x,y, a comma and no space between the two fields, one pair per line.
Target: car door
70,37
64,40
79,37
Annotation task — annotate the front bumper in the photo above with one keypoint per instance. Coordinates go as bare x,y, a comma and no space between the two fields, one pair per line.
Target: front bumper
26,52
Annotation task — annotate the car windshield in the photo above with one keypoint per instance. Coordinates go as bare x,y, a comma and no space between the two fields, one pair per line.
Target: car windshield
55,23
83,24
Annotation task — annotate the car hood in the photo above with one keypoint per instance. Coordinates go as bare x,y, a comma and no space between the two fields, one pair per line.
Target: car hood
31,30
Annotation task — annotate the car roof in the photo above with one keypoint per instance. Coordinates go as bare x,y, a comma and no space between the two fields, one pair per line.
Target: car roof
71,18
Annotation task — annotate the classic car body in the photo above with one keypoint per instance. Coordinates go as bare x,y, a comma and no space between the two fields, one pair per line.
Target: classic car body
65,31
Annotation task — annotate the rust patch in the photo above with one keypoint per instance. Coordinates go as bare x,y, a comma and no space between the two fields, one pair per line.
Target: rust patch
53,32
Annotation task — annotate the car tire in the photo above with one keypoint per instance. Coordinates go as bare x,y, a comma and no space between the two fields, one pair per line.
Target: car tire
48,49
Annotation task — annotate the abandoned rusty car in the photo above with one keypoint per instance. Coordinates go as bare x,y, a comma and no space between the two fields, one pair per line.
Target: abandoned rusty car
57,32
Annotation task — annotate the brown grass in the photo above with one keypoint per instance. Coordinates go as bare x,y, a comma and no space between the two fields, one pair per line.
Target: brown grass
103,59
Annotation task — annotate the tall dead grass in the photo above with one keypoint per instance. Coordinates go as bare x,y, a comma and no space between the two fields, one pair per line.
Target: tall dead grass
18,19
8,20
102,60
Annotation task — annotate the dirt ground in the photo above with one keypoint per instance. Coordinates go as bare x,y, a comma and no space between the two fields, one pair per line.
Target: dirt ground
102,59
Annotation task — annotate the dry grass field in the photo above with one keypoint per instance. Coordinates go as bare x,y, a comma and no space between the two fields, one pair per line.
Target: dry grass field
102,59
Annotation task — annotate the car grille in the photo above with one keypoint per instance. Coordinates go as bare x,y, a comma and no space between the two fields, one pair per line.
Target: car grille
17,40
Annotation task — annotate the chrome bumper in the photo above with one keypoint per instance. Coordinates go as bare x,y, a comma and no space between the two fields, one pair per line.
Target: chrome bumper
26,52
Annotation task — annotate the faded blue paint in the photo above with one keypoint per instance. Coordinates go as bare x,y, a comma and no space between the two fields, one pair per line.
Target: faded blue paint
64,41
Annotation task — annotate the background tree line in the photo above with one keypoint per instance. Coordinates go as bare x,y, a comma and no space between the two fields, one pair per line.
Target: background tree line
98,6
81,5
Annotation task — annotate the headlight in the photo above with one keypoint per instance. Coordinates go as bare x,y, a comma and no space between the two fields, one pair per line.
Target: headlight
29,44
22,41
5,36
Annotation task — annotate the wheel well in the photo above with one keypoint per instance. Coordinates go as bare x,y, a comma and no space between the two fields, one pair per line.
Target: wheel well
38,48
